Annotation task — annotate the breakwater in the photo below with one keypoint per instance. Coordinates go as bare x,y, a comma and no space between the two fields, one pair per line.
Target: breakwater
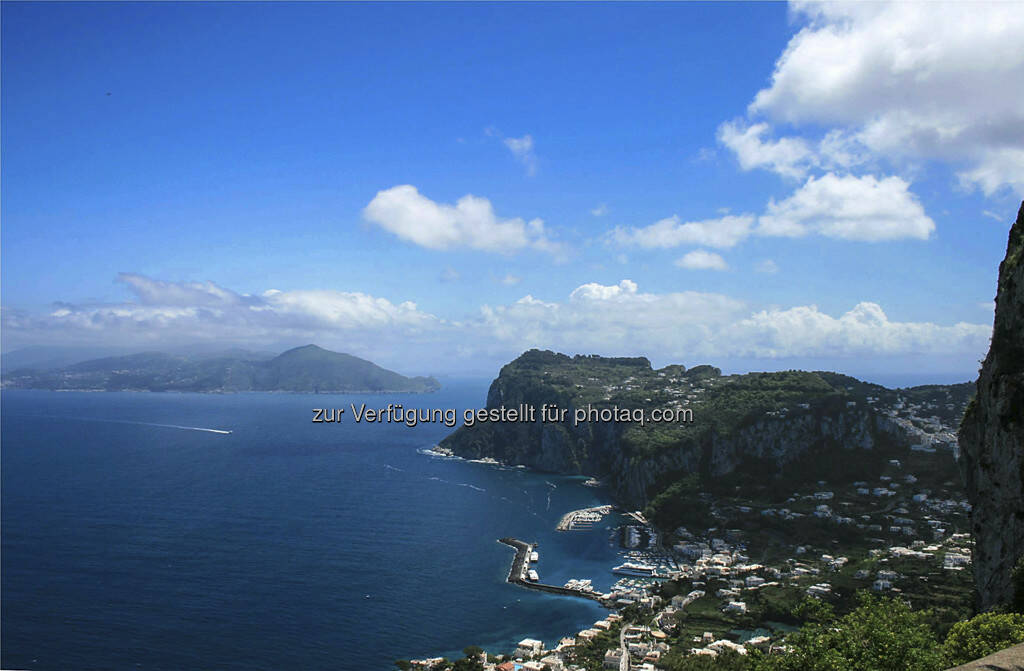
517,572
583,519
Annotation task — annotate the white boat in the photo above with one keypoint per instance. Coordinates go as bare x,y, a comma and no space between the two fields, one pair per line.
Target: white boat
630,568
532,576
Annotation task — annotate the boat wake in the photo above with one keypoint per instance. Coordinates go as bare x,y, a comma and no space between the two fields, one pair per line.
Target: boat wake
186,428
164,426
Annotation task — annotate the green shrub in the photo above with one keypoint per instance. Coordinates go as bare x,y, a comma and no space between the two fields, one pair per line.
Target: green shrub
982,635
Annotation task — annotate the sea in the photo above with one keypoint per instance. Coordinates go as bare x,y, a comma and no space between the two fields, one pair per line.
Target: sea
136,533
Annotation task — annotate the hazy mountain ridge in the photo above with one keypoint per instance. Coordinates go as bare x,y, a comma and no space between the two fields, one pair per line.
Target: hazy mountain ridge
302,369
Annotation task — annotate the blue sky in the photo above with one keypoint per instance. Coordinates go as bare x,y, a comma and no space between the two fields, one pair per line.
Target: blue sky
440,186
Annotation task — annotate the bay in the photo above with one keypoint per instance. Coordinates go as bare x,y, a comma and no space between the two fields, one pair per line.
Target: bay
134,537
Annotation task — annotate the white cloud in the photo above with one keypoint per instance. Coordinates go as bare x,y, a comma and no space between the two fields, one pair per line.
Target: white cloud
766,266
449,274
671,232
470,223
600,292
910,80
614,319
789,157
170,313
865,330
996,168
600,210
511,280
700,259
621,319
192,294
522,149
849,208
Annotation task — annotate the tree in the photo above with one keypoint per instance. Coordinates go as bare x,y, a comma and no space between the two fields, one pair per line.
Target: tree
725,661
468,664
982,635
814,610
879,635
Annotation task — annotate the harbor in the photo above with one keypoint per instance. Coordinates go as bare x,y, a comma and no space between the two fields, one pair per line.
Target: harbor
584,519
521,574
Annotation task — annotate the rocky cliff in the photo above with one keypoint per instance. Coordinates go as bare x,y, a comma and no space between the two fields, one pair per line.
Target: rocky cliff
779,424
992,438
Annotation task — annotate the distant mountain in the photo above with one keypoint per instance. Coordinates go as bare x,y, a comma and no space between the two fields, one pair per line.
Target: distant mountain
303,369
40,357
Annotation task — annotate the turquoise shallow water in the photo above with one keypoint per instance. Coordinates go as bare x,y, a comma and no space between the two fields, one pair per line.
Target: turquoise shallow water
283,544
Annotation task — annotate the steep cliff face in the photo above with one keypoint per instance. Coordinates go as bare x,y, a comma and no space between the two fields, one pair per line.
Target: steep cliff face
777,419
596,448
992,438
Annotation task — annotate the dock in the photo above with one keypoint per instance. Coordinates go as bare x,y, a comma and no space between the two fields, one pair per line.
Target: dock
582,519
639,517
520,564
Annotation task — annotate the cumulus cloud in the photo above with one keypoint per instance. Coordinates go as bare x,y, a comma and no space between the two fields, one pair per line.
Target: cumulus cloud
469,223
789,157
766,266
615,319
175,312
600,292
849,208
621,319
672,232
904,80
700,259
864,330
600,210
611,319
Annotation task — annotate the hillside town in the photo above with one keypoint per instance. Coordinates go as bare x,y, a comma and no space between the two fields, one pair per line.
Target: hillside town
734,585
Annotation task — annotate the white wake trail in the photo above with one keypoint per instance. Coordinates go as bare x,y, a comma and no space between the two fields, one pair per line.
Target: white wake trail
129,421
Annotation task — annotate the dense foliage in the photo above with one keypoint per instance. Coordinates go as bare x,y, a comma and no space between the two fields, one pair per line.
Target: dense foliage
982,635
880,634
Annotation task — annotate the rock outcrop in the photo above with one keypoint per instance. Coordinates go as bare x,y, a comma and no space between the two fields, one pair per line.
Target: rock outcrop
734,423
992,438
1010,659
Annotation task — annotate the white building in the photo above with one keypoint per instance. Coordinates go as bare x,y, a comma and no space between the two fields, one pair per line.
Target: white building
529,648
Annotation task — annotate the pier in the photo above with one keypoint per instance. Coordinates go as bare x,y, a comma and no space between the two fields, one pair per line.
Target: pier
582,519
639,517
519,567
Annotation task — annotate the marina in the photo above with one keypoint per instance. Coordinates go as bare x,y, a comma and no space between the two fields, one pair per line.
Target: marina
581,520
520,574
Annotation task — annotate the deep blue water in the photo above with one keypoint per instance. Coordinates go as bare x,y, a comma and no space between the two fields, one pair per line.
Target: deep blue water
285,544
